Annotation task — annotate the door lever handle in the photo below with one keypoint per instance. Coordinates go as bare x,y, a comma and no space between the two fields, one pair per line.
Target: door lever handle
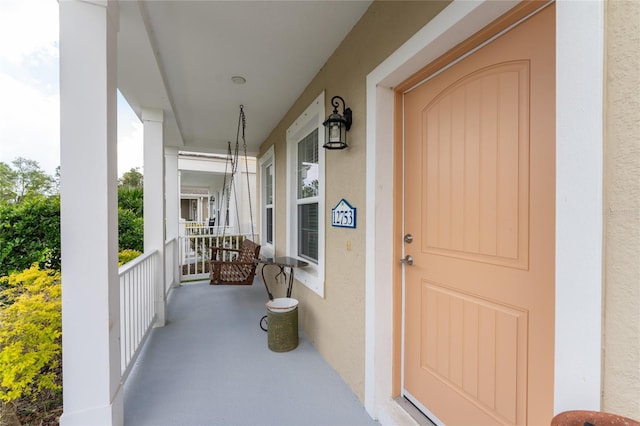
408,260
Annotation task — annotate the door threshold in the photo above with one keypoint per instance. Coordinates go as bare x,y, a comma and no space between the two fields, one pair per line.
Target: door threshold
413,411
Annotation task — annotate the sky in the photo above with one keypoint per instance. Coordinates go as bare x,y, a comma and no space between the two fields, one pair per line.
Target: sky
30,90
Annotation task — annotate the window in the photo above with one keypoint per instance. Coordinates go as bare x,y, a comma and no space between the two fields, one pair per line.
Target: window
307,199
269,204
267,218
305,194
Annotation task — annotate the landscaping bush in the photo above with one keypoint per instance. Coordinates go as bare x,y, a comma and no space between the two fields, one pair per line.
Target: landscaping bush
30,338
127,255
130,230
131,199
30,233
130,213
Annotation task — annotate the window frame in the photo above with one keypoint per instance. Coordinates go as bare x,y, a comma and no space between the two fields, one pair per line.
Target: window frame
311,276
268,159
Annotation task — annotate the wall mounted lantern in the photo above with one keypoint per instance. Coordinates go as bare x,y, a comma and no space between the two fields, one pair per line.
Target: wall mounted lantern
337,126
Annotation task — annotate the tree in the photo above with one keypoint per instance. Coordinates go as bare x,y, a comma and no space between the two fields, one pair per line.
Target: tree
30,180
7,179
25,180
132,179
56,181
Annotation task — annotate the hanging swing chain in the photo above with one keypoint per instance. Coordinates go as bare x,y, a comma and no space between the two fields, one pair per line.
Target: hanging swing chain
221,199
233,186
243,119
242,122
231,157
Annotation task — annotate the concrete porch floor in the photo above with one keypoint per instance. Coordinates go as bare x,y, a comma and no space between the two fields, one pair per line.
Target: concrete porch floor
210,365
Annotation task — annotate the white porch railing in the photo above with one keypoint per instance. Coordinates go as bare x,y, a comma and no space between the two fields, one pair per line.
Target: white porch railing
201,228
137,306
195,251
171,264
138,280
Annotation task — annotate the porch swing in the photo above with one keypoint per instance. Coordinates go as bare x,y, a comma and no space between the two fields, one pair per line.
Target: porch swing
228,266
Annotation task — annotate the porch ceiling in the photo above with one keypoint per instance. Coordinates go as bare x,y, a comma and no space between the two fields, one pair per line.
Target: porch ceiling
200,179
180,56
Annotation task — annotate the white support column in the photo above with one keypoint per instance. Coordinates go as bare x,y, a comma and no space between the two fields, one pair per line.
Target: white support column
233,206
152,120
172,205
89,214
242,209
579,212
179,198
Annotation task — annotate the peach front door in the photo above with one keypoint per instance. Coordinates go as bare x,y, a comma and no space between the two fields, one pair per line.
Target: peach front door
479,202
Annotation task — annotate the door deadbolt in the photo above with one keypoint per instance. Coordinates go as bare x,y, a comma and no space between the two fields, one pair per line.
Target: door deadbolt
408,238
408,260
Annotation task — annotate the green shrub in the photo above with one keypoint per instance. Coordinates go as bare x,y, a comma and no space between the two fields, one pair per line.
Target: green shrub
30,333
30,229
131,199
30,233
130,230
130,215
127,255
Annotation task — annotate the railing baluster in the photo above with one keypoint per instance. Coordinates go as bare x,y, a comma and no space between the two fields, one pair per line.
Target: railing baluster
131,291
130,320
195,248
137,305
136,301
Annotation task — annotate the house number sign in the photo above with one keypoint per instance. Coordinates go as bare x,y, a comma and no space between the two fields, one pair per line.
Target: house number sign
343,215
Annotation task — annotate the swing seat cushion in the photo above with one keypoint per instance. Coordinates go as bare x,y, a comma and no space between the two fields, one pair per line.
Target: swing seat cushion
241,270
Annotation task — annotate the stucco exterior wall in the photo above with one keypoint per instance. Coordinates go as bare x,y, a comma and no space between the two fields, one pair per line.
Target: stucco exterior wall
621,381
336,324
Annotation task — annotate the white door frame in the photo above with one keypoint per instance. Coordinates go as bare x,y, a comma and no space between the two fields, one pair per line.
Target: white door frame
579,157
